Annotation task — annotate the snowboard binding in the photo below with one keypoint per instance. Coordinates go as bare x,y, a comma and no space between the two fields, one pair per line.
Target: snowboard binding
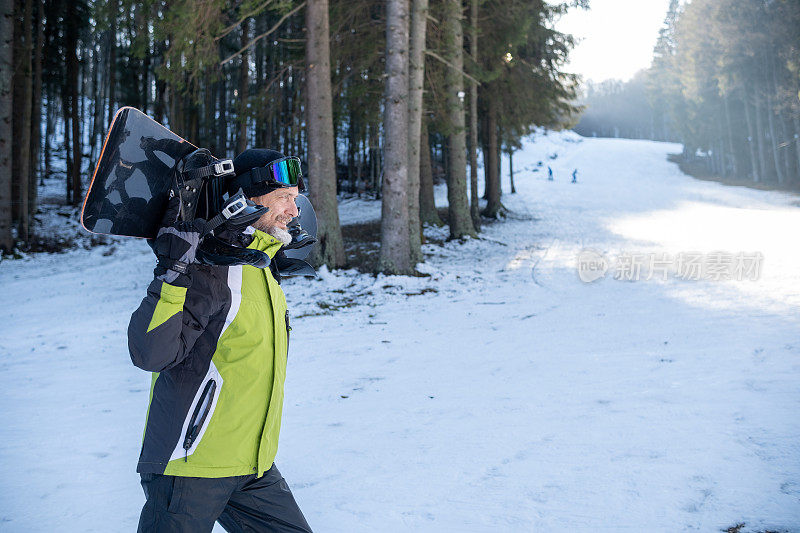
200,178
142,163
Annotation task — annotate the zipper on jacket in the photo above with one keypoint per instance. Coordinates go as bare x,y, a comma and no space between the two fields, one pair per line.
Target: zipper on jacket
201,410
288,329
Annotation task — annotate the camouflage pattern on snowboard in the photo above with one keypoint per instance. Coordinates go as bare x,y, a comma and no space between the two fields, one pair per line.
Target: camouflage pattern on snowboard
132,179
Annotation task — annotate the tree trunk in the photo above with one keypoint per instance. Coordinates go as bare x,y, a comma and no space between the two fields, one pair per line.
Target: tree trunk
493,207
796,122
416,73
97,104
244,80
72,24
222,104
6,121
511,170
329,249
395,254
458,203
751,140
36,111
499,159
283,137
209,117
485,149
375,159
351,149
68,155
729,135
784,133
146,69
474,206
160,104
443,158
23,82
142,30
762,156
773,134
50,117
427,207
193,112
786,159
172,108
112,61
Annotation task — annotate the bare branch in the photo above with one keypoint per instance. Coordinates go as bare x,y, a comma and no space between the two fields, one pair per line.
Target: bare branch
266,33
235,25
443,60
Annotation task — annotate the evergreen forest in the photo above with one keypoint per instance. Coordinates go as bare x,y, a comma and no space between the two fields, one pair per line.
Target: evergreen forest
378,98
724,82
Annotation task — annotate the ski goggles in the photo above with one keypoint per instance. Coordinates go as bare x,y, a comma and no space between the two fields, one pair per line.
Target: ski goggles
283,172
286,171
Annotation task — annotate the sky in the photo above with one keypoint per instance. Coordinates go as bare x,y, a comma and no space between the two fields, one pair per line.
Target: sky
616,37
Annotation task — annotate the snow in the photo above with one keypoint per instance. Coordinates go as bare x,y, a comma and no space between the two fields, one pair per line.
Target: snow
354,210
500,393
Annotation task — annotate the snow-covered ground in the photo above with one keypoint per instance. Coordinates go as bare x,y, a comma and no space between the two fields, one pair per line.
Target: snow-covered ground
501,393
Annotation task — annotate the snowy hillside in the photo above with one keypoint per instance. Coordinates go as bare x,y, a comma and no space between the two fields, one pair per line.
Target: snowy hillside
501,393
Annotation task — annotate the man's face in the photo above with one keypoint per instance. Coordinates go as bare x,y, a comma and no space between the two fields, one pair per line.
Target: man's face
282,208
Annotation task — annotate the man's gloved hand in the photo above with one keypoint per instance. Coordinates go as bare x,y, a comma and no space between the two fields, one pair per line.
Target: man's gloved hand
300,237
175,245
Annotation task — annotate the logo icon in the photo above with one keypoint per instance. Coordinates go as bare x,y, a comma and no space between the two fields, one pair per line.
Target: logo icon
592,265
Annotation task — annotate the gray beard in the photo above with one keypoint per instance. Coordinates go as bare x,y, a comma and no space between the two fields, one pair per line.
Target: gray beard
281,234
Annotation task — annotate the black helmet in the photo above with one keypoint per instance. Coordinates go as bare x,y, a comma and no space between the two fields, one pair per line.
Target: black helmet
201,184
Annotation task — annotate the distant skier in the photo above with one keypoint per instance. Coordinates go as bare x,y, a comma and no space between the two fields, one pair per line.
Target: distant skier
549,173
575,176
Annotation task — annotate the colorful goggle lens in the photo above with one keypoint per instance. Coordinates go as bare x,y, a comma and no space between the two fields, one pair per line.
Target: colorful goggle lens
287,171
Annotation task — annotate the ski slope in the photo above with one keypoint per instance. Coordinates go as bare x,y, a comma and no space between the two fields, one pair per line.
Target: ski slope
500,393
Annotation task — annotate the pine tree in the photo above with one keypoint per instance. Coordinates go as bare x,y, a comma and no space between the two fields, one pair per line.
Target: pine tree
73,22
319,121
395,254
664,84
523,83
427,206
6,133
244,89
419,18
474,207
23,87
453,53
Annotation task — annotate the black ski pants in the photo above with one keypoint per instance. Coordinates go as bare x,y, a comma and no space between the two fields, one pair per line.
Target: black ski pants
240,504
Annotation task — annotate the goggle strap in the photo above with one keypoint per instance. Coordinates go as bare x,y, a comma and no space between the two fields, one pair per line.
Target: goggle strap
251,177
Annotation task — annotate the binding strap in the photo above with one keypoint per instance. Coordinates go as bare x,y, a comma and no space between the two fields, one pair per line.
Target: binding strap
234,206
220,168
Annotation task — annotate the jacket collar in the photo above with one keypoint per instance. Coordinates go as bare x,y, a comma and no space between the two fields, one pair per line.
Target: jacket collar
264,242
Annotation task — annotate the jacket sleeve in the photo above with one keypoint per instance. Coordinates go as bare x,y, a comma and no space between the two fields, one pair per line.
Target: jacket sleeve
163,330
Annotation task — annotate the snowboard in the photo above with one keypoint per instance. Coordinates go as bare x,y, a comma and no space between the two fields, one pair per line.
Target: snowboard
132,179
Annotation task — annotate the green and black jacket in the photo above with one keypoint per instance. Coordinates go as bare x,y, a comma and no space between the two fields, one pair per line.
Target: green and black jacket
217,351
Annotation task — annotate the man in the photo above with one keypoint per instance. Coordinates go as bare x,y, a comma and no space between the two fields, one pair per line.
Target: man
216,339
